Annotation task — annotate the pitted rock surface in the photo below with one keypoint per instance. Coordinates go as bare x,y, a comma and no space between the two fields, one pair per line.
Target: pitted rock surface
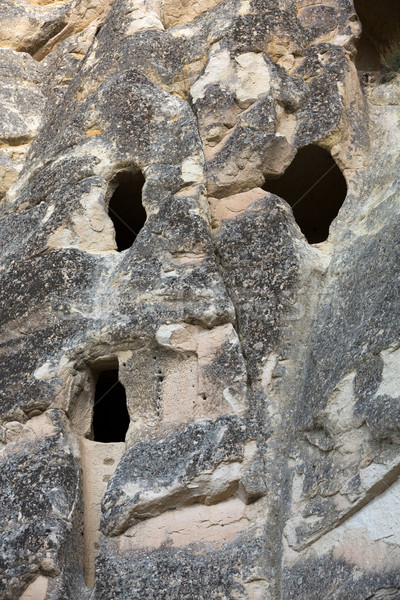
260,372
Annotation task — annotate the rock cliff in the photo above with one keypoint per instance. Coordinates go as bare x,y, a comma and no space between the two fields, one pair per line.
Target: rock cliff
200,328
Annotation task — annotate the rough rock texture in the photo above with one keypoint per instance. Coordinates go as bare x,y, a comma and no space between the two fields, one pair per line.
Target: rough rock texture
262,373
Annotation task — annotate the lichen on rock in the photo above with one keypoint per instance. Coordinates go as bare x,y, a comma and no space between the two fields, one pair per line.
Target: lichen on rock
258,356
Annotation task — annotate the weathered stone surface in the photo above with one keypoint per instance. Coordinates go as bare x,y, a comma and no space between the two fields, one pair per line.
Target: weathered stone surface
183,573
40,505
261,376
22,104
201,463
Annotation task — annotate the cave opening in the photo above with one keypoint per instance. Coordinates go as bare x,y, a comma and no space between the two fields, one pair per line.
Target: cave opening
315,188
110,413
380,34
126,209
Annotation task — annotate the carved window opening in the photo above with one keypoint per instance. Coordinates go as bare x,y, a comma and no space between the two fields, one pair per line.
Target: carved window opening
126,209
110,413
315,188
380,32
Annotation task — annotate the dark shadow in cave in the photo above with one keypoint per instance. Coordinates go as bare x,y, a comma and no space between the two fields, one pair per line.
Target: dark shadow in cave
126,210
110,413
315,188
380,20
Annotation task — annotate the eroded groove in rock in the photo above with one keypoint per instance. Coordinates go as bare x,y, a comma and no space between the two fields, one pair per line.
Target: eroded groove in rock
258,364
99,462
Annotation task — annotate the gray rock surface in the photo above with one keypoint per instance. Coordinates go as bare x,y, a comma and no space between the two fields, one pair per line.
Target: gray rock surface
261,372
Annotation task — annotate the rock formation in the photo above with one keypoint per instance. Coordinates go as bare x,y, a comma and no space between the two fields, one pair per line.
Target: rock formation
200,332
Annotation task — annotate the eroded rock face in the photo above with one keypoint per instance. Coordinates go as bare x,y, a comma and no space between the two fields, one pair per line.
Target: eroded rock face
261,377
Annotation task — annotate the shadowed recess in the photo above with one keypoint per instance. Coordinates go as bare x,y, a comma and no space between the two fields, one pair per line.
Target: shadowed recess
380,20
110,414
315,188
126,209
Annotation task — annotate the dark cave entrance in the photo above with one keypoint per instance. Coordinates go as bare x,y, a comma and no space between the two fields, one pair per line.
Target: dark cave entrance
110,413
380,20
315,188
126,210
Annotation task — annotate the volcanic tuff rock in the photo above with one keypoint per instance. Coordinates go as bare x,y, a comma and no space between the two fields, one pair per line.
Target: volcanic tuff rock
261,372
